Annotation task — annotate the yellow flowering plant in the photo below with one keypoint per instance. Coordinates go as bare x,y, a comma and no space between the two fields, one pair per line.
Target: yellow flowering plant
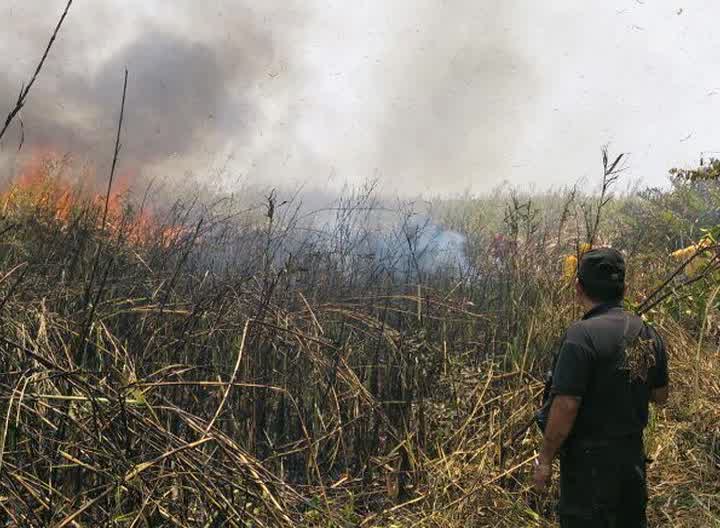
570,262
699,253
570,265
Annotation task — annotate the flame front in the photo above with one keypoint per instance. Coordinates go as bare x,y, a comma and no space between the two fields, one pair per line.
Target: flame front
44,188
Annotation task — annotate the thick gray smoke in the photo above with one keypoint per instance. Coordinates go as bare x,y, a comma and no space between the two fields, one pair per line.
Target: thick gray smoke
424,94
187,90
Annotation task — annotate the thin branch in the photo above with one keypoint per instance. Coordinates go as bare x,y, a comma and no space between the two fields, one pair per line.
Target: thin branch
22,134
711,266
116,152
642,308
24,92
96,262
611,175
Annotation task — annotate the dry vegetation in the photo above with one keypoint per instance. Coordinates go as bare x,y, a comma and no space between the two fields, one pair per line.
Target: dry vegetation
228,366
222,363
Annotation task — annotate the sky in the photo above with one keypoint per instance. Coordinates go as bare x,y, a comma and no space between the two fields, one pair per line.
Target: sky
426,96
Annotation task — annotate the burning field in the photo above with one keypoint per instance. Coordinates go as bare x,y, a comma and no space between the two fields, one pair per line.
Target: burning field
272,358
59,192
219,364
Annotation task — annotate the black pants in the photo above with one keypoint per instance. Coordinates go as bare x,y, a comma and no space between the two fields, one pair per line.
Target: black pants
603,486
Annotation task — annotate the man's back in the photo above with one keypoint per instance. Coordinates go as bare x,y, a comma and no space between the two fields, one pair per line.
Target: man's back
612,360
610,365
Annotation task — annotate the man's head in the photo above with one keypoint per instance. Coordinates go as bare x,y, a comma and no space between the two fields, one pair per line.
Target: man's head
601,276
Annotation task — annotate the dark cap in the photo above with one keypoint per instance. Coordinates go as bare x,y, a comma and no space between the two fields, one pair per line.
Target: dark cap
602,266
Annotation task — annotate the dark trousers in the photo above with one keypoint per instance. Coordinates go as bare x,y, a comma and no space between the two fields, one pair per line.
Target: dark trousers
603,486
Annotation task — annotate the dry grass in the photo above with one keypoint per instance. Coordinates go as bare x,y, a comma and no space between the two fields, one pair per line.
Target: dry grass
205,381
684,438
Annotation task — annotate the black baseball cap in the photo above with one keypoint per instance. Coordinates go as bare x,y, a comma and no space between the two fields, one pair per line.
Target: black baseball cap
602,266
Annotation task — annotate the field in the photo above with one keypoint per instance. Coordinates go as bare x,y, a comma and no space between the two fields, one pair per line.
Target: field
238,361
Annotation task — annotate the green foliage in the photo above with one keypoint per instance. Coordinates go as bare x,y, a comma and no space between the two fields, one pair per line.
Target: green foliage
660,220
707,171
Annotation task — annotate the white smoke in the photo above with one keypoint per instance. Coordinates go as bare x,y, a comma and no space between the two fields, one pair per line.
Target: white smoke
418,246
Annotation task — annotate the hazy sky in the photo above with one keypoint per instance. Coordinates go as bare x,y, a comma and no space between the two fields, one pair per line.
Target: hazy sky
426,95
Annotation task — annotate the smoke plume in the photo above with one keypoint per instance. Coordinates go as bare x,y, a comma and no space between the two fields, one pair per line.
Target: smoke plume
424,94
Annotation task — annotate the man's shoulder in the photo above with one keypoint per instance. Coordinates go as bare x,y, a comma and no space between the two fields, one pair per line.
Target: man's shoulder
617,323
616,318
577,333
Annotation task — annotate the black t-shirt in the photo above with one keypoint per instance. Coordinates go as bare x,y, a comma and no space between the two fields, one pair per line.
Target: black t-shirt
612,360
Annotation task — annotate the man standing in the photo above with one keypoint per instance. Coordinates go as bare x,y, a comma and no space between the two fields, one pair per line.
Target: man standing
609,367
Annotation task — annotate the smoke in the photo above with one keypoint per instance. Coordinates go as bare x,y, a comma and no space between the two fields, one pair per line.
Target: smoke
420,247
454,103
397,238
188,90
182,92
422,94
425,95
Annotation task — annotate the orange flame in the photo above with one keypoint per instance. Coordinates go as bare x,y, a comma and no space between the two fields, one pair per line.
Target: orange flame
43,184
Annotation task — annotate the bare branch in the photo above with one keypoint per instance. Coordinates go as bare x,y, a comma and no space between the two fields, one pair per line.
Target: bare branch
22,98
611,174
116,151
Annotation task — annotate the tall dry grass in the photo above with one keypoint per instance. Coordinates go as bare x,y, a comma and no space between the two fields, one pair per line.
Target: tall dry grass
233,367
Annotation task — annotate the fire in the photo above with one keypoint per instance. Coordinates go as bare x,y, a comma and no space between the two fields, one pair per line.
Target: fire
44,187
37,186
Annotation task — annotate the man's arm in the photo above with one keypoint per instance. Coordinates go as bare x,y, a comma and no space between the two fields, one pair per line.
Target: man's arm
570,380
563,412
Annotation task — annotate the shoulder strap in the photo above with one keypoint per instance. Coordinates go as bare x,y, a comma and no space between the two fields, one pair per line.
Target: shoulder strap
633,328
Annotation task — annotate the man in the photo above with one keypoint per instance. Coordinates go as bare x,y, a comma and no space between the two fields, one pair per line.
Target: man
609,367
